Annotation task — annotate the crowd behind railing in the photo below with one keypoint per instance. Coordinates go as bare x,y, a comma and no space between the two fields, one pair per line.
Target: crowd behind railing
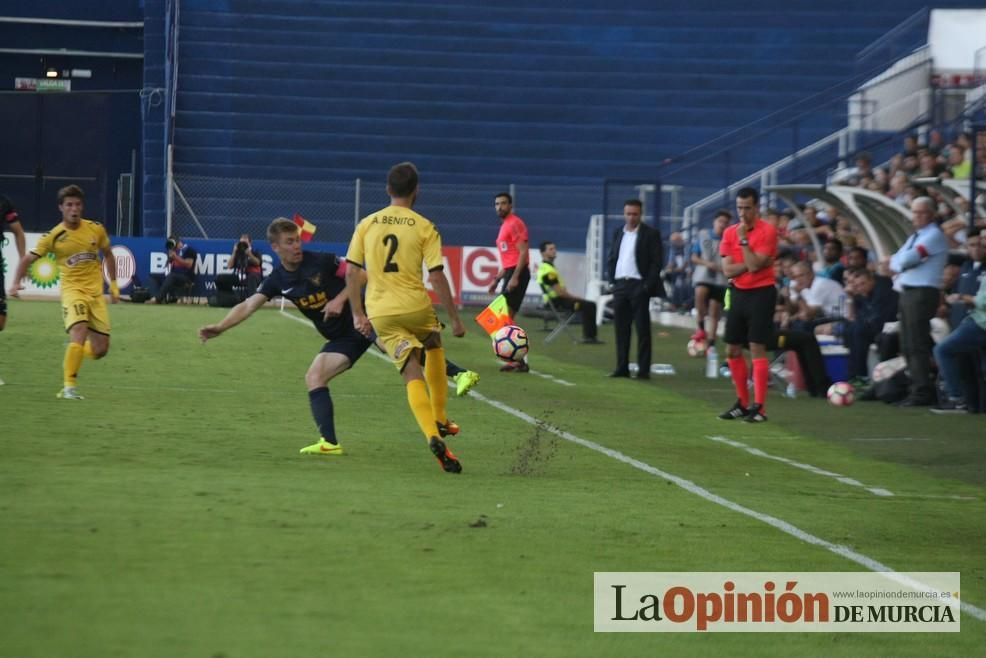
845,293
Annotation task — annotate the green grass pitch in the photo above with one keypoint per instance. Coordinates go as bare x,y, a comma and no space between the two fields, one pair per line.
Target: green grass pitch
170,514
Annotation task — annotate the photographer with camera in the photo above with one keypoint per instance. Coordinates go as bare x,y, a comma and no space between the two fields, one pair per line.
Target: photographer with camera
181,264
246,265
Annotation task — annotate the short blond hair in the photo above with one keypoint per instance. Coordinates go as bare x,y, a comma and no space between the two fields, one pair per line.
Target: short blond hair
279,227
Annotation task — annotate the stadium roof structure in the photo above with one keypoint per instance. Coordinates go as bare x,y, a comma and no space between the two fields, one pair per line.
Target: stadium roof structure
885,224
954,193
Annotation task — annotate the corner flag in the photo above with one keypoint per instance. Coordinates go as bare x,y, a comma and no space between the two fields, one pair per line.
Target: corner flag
307,228
495,316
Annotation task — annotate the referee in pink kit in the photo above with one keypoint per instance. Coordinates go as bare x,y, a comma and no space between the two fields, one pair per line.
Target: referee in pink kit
512,243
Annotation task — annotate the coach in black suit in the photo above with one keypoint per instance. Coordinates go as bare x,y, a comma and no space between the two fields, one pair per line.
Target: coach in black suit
634,267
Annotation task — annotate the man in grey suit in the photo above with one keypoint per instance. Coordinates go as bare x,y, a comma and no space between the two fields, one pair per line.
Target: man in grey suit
634,267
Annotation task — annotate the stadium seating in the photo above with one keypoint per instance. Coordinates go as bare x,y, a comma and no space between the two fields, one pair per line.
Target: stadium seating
487,95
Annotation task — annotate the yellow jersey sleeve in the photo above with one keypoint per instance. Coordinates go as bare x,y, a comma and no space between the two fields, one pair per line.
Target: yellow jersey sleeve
356,253
431,243
45,243
104,238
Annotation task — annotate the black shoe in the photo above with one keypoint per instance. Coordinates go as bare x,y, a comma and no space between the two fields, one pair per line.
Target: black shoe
643,375
619,373
755,414
591,341
950,407
734,412
444,456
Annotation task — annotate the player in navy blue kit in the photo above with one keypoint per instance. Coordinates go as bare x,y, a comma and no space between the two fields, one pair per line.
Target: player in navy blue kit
315,283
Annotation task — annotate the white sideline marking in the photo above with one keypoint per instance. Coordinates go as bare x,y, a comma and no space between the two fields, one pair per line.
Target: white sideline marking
876,491
551,378
891,438
691,487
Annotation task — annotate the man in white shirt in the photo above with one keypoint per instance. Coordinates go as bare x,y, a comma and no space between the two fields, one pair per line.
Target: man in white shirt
634,268
815,297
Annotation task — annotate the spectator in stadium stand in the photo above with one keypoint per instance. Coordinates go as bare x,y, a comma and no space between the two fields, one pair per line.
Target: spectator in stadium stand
772,217
871,303
910,146
969,338
936,143
858,258
800,240
919,263
708,279
928,166
810,216
634,268
898,189
814,298
863,170
959,166
910,165
676,272
962,300
831,263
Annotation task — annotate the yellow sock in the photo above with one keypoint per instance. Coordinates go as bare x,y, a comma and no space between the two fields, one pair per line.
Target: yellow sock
437,382
72,363
417,399
87,349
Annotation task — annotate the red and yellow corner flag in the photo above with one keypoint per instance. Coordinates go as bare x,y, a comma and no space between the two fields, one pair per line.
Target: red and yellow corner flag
495,316
307,228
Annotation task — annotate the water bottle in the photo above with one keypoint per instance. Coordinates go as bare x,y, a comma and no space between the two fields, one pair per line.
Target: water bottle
711,362
662,369
633,367
791,391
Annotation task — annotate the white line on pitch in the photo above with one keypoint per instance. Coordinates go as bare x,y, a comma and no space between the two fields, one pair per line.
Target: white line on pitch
892,438
691,487
552,378
876,491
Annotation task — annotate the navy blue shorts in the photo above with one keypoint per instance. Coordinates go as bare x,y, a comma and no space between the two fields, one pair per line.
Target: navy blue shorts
351,345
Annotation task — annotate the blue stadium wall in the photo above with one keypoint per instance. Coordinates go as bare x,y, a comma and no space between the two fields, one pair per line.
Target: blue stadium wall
87,136
481,94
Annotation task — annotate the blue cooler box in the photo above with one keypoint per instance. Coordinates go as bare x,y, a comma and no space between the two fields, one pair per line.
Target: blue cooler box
836,358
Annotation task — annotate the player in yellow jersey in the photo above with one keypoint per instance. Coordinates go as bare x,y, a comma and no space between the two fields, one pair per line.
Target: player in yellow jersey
391,245
77,244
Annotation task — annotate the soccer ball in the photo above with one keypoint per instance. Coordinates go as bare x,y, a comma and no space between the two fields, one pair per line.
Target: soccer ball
510,343
841,394
697,348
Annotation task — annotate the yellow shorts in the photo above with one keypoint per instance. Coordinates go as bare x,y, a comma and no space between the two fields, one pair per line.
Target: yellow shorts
78,308
401,334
